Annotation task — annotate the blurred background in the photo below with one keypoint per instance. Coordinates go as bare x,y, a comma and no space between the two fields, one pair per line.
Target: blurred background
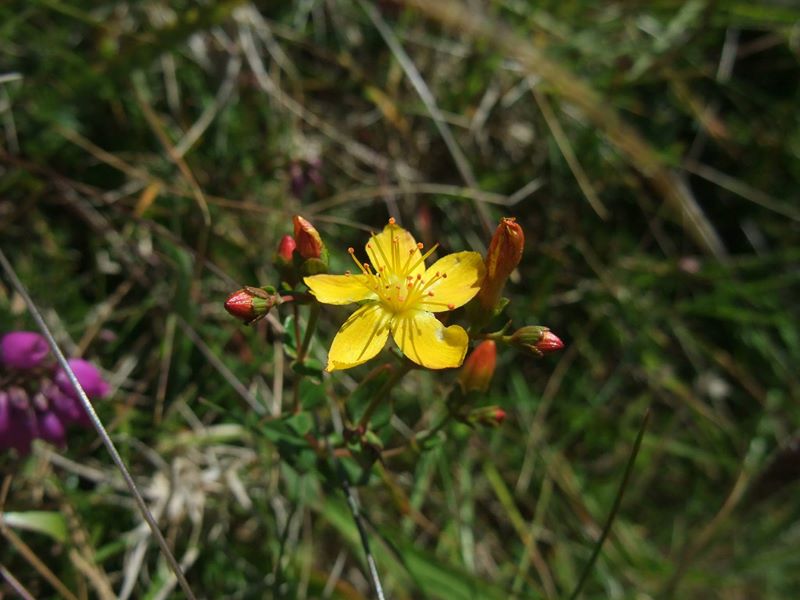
152,155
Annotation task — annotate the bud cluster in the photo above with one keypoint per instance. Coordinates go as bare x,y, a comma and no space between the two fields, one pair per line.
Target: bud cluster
37,399
302,254
297,256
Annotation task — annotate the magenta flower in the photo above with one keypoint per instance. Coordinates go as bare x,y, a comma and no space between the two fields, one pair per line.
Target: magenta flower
88,376
51,429
5,415
18,425
23,349
40,403
67,407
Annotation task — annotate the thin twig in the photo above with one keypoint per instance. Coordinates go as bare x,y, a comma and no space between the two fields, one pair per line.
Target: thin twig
617,502
97,423
562,141
220,366
352,504
15,584
39,566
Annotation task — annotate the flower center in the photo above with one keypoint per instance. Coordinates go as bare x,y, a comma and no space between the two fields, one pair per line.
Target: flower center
396,282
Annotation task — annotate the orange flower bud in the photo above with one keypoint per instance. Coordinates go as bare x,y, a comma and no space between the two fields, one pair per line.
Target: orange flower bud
309,242
478,369
505,252
249,304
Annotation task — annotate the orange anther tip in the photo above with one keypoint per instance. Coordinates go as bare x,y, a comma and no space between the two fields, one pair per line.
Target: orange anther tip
430,294
451,306
391,221
420,245
347,273
351,250
444,275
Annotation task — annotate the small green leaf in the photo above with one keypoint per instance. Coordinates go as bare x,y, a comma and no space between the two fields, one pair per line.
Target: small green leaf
49,523
312,394
310,367
289,341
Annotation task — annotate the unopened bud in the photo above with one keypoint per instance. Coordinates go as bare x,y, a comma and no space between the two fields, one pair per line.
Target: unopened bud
286,249
550,342
249,304
478,369
539,340
284,260
503,256
490,416
309,242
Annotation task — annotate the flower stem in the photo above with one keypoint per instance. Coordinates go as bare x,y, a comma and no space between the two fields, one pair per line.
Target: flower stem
382,393
302,347
310,328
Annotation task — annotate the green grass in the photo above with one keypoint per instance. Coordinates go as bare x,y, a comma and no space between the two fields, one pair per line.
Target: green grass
639,114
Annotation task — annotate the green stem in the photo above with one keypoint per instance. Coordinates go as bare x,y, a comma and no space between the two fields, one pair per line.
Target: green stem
418,440
617,502
382,392
313,315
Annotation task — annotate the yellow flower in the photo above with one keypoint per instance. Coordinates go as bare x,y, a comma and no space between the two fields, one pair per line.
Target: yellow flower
399,296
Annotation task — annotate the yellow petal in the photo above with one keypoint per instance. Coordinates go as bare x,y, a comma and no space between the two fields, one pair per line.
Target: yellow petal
464,272
361,337
395,249
423,339
339,289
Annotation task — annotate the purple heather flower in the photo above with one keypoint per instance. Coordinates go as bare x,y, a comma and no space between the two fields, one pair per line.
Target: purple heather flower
5,415
18,398
20,428
88,376
67,407
51,429
23,349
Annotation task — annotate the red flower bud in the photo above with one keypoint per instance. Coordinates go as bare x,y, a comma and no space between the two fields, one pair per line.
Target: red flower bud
549,342
505,252
286,249
539,340
491,416
478,369
249,304
309,242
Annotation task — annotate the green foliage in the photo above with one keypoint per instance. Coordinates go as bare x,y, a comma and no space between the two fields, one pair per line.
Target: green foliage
147,157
